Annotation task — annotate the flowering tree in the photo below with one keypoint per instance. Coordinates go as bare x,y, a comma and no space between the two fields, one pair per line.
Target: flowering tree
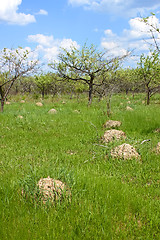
148,71
85,65
14,64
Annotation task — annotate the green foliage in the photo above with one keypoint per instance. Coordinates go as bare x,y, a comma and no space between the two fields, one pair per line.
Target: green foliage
85,65
111,199
148,71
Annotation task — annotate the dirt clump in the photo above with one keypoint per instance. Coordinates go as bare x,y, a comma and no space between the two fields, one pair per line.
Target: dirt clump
76,111
112,124
52,111
129,108
113,134
39,104
20,117
53,190
125,151
157,130
158,148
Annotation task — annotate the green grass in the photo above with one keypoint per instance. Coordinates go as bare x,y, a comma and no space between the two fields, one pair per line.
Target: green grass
111,199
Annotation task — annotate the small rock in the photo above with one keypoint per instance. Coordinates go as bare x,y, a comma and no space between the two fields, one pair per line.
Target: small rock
52,111
22,101
113,134
39,104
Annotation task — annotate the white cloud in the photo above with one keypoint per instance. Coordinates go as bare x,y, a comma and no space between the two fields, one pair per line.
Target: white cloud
41,39
130,7
68,43
138,29
49,47
79,2
42,12
137,38
9,14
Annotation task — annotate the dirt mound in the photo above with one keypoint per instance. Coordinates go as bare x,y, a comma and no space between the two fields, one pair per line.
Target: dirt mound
39,104
76,111
157,130
129,108
52,111
112,124
125,151
52,189
19,116
158,148
113,134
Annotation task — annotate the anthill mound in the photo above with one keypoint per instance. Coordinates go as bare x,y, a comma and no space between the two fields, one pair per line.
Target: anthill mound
157,130
39,104
158,148
53,190
52,111
128,108
113,134
112,124
125,151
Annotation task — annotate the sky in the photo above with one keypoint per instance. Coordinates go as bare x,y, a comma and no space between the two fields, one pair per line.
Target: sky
47,25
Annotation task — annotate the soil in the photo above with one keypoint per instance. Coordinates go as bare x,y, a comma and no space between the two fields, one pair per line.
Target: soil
113,134
52,189
112,124
125,151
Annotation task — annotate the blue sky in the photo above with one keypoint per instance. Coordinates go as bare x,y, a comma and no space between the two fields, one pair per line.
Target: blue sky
46,25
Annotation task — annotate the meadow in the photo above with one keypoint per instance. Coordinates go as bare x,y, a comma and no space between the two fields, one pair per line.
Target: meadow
111,198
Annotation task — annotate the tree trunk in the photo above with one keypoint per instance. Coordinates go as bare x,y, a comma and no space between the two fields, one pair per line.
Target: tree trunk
90,91
43,92
148,95
2,99
2,105
109,106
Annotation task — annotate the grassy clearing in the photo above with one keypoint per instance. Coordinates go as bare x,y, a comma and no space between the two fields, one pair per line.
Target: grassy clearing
111,199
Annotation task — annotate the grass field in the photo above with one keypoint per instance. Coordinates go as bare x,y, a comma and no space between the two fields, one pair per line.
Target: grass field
111,198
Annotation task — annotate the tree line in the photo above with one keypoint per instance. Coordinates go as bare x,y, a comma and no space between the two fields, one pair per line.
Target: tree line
80,70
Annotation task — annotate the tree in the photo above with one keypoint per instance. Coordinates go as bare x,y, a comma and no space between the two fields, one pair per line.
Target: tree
148,71
153,29
14,63
43,82
83,65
